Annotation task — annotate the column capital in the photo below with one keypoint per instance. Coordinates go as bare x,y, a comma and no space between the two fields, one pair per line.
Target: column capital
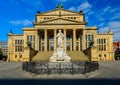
74,29
45,29
54,29
64,29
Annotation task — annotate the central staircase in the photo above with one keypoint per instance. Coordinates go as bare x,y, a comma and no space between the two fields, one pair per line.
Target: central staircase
74,55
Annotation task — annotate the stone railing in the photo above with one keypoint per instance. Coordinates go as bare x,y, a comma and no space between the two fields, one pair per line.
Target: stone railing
43,67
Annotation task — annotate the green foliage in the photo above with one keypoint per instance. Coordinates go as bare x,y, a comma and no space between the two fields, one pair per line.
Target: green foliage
117,56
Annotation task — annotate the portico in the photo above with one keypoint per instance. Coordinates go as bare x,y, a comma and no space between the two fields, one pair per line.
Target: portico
47,39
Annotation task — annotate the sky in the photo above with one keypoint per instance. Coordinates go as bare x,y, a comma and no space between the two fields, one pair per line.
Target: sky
19,14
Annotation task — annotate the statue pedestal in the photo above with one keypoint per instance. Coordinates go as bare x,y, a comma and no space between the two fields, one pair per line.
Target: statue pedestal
59,55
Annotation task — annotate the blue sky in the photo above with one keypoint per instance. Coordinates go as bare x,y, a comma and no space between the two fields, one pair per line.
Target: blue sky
17,14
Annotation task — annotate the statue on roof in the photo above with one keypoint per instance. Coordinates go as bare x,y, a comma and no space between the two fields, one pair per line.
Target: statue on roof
11,31
60,5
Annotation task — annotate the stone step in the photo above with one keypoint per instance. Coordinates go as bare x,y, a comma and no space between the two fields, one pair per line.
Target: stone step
74,55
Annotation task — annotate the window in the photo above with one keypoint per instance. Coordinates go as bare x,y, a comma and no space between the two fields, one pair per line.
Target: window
101,41
99,55
77,46
15,41
68,46
42,37
51,38
15,56
42,46
20,56
104,41
44,18
86,37
15,48
104,47
86,45
92,37
68,37
51,46
104,55
77,37
33,37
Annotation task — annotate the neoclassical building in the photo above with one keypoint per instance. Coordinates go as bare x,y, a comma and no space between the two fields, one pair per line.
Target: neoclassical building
77,38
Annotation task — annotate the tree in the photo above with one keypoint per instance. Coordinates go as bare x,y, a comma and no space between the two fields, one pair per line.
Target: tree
1,55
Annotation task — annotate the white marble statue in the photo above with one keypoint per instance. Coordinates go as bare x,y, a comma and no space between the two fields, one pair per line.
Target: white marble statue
60,37
60,54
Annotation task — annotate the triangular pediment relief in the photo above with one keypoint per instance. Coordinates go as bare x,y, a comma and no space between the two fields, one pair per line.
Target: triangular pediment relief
60,21
57,12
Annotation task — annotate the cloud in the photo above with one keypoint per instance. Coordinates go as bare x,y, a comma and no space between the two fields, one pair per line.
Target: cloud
115,25
107,9
72,8
101,24
60,1
115,28
115,16
25,22
85,6
104,29
116,36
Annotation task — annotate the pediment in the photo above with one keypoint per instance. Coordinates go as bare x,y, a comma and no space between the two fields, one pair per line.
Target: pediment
62,11
60,21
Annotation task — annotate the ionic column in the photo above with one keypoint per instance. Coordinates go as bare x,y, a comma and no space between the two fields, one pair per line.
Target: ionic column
65,39
54,39
45,41
74,39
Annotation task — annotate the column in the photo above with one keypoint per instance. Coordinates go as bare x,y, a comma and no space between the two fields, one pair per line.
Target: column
54,39
79,43
71,43
45,43
36,40
39,42
83,40
74,39
65,39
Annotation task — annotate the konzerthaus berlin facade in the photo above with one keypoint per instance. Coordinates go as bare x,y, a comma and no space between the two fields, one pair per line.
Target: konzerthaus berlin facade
76,42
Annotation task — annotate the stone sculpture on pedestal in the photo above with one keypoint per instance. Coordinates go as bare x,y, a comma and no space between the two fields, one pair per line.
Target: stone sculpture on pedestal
59,54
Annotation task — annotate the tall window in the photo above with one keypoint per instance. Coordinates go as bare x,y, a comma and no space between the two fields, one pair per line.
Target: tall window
42,46
31,38
68,37
51,38
18,45
102,45
77,46
68,46
88,39
51,46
